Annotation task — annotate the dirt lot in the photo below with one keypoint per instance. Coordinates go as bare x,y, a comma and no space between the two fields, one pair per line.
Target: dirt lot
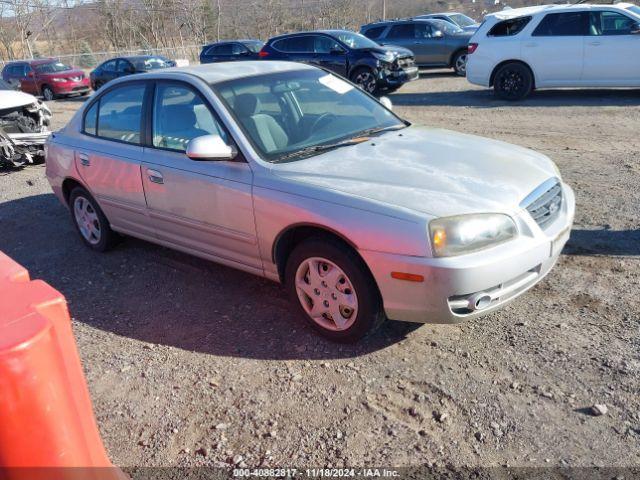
191,363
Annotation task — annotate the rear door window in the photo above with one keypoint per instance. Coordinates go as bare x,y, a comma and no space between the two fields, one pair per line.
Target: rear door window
226,49
508,28
403,30
374,32
302,44
119,114
568,24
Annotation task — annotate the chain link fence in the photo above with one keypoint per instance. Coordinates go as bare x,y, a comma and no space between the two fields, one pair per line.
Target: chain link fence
89,59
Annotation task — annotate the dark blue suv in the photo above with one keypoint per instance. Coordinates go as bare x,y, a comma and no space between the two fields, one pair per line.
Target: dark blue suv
230,51
372,67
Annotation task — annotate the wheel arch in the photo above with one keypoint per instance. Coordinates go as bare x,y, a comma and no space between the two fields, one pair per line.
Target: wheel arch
68,185
456,52
295,234
512,60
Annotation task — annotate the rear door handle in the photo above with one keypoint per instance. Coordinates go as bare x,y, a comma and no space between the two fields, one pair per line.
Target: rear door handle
84,159
155,176
595,44
532,44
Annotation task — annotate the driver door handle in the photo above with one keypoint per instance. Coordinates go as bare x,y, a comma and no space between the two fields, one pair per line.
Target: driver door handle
155,176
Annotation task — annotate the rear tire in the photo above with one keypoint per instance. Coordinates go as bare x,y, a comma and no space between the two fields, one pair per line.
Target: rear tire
365,78
328,280
459,63
90,221
513,81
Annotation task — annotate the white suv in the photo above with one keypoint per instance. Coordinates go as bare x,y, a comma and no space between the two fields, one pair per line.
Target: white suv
521,49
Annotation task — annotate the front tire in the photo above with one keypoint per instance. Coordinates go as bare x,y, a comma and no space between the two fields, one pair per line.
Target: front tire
364,78
459,63
513,81
334,290
90,221
47,93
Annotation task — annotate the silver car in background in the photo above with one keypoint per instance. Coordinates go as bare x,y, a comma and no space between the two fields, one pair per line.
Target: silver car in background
289,172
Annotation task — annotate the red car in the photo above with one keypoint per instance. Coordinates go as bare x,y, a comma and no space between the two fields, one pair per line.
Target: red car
48,77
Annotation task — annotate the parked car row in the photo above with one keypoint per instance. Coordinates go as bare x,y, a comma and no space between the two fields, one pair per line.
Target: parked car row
373,67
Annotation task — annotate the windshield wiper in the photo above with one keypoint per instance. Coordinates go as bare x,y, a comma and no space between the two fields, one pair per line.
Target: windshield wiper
322,148
373,131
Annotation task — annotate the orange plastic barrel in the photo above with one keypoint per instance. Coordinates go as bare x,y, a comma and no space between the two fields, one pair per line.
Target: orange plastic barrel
47,426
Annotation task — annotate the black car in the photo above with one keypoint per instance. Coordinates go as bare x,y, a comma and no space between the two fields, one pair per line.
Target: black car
372,67
119,67
231,51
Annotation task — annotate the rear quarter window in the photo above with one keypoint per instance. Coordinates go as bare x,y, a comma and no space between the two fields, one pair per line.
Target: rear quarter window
508,28
374,32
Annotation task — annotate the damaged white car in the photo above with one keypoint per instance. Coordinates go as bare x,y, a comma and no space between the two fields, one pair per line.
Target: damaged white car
24,122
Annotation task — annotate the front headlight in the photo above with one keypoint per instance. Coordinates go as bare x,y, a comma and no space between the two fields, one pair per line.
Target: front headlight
468,233
59,79
385,57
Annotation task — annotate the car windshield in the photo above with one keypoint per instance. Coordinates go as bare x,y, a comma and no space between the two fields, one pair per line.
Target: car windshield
291,115
355,40
634,9
463,20
446,27
52,67
254,46
152,63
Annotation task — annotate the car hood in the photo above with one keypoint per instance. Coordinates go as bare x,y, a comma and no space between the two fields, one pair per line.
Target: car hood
433,171
400,52
15,99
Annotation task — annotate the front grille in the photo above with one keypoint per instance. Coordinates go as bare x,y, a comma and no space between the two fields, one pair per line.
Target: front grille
546,208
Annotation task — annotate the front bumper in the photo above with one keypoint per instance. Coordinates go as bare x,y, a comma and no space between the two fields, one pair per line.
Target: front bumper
72,88
395,78
452,284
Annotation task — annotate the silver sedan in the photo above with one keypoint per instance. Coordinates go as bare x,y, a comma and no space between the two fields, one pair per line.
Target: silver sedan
292,173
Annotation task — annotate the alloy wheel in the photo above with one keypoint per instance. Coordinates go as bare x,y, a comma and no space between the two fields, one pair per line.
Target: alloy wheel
511,82
366,80
461,64
326,294
87,220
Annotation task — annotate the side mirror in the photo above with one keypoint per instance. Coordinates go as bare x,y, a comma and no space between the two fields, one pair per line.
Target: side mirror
635,29
129,70
31,74
210,147
438,34
336,51
386,101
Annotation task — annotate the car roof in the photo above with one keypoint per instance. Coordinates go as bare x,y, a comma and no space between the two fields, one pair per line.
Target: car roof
221,72
395,21
305,32
525,11
40,61
234,40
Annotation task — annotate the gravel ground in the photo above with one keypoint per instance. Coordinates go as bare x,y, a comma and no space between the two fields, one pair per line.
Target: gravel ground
191,363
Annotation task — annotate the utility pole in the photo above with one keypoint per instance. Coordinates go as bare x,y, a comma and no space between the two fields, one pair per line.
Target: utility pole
219,10
384,9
